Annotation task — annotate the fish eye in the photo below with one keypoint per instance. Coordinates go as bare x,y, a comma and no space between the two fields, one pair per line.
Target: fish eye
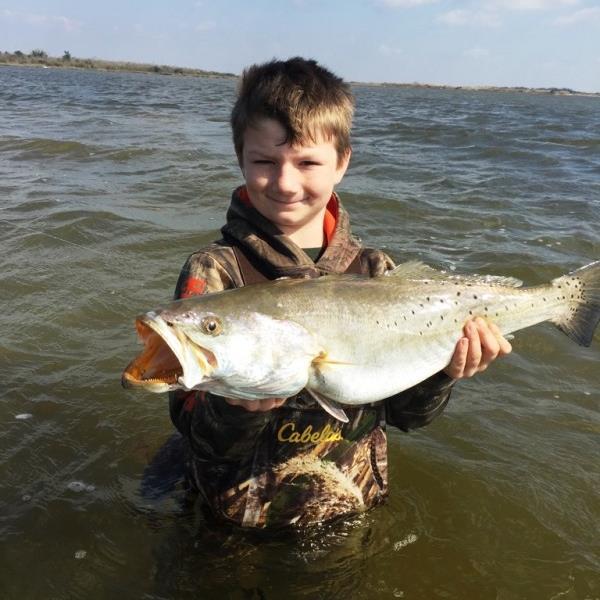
211,325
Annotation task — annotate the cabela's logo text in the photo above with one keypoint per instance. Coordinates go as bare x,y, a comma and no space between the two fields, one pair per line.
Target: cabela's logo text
287,433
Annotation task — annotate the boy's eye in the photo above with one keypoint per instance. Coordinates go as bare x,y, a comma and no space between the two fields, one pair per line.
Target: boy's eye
262,161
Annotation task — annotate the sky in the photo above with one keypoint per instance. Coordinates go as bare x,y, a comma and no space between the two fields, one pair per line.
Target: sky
531,43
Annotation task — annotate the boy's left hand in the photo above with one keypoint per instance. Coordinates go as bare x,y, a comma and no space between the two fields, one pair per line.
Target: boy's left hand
482,344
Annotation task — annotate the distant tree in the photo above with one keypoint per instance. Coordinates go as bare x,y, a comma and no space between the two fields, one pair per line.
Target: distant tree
37,53
19,53
66,55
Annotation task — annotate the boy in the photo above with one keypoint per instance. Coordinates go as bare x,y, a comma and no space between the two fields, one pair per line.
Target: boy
286,461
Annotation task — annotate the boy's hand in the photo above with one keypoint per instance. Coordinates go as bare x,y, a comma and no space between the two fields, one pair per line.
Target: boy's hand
257,405
482,344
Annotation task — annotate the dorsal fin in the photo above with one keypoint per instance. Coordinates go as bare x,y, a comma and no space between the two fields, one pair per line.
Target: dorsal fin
417,271
414,269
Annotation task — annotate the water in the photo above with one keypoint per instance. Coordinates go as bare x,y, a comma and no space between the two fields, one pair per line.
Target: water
109,181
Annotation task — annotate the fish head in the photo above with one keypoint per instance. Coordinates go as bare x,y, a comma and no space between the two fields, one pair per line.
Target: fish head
168,359
244,354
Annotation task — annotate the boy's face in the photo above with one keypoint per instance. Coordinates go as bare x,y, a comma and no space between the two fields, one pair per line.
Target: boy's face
289,185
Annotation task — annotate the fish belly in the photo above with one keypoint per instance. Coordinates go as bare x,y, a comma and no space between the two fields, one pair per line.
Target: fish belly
368,370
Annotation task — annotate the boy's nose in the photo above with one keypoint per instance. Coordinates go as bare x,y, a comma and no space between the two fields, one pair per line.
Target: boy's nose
287,180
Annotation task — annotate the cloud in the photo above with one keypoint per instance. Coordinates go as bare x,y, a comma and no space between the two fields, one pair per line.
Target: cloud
579,16
38,20
490,12
476,53
477,18
405,3
459,16
523,5
387,50
205,26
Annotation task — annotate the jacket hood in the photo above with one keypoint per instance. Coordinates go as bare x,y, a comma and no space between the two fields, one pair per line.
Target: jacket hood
262,241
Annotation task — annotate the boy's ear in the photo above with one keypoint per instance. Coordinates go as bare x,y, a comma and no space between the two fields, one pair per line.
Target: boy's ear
348,157
343,165
241,163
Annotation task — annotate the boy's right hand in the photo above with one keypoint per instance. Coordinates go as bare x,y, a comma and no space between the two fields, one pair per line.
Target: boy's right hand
257,405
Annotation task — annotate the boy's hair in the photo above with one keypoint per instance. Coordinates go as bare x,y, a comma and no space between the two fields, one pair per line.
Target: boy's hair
305,98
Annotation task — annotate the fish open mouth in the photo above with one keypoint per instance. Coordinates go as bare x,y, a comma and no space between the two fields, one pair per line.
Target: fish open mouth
167,362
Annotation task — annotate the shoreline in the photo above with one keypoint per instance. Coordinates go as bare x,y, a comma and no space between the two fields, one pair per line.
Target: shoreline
552,91
9,59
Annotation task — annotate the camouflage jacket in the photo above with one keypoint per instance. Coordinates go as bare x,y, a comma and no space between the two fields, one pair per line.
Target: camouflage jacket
294,464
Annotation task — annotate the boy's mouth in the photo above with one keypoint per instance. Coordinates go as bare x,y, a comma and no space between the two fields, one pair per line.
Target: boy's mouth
286,201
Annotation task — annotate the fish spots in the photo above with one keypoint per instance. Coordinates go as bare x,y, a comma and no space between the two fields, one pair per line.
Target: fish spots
389,324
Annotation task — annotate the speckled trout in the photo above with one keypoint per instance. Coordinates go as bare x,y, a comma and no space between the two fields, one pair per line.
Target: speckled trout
346,339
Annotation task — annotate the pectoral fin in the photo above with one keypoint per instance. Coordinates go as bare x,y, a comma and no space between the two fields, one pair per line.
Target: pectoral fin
323,359
329,406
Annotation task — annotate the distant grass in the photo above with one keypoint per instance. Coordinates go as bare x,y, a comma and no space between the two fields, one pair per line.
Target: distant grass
563,91
38,58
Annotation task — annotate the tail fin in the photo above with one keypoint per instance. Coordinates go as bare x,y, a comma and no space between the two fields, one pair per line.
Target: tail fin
582,290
